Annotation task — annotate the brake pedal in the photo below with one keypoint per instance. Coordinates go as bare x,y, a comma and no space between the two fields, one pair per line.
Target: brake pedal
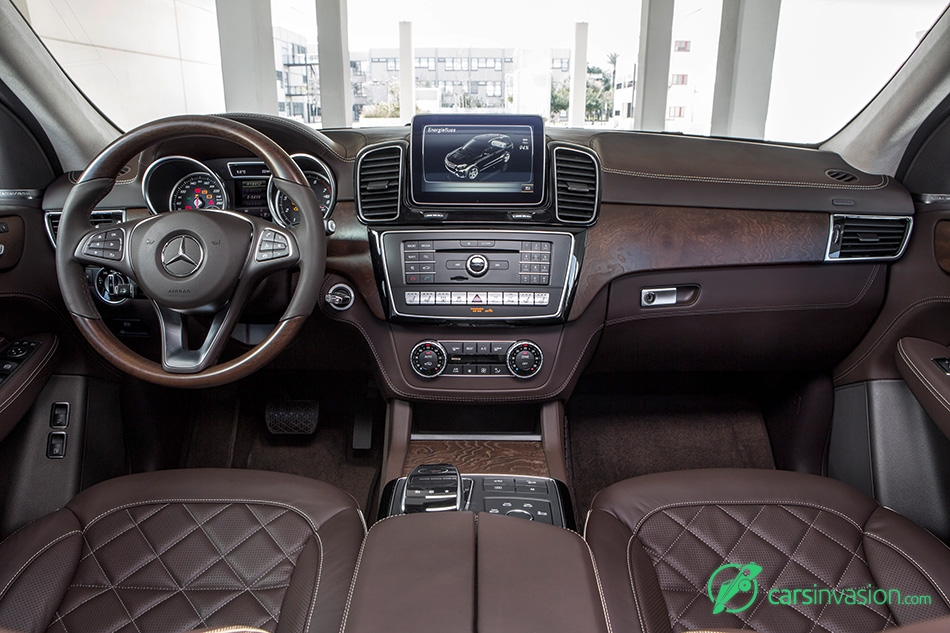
292,417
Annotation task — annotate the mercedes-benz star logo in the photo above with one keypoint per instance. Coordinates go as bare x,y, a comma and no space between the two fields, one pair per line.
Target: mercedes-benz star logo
182,255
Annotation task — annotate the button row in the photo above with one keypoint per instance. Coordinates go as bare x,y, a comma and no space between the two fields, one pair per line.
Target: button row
105,245
274,245
534,510
535,280
476,348
469,369
445,298
418,245
540,258
540,247
494,264
413,256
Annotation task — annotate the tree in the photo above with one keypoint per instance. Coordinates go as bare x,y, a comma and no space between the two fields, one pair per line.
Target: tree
560,97
612,60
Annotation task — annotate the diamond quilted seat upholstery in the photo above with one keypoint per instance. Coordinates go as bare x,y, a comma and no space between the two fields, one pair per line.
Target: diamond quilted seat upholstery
660,541
183,550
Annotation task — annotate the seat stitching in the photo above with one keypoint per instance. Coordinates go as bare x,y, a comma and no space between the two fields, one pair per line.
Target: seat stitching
169,589
224,556
349,596
633,589
805,504
682,532
912,560
254,584
266,531
600,587
33,558
829,536
801,564
128,529
118,597
165,567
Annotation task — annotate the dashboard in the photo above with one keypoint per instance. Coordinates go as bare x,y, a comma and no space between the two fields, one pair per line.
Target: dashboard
493,259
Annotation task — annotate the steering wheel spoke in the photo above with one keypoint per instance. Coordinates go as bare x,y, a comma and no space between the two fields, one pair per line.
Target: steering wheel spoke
107,247
178,356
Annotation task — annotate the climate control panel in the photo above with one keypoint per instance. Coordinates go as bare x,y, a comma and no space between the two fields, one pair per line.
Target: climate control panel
521,359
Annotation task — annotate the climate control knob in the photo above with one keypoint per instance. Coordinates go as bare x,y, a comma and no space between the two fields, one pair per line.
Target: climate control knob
427,359
524,359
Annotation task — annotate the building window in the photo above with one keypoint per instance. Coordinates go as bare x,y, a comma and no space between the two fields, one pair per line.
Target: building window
450,63
392,63
681,46
679,80
465,61
493,89
677,112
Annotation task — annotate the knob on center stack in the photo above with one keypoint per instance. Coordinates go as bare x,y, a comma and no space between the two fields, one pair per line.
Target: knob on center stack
428,359
524,359
477,265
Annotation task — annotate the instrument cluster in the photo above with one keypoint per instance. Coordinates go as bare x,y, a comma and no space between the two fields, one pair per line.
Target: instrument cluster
177,183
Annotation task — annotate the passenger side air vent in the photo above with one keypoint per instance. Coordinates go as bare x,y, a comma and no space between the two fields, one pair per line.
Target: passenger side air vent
97,219
379,183
576,185
841,175
863,237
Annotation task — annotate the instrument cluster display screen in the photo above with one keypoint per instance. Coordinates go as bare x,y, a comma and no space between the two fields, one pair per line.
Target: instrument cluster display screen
480,160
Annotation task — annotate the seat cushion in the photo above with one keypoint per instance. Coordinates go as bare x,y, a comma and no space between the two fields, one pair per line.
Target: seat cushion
659,541
181,550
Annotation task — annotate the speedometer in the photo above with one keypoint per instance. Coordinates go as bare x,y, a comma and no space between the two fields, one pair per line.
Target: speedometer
286,210
197,191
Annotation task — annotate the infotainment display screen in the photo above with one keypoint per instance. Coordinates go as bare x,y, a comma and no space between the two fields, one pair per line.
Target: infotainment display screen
460,159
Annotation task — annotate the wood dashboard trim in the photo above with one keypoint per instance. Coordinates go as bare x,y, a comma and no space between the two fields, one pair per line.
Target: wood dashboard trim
629,239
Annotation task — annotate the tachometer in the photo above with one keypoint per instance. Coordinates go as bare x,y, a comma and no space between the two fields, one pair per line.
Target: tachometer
198,190
286,210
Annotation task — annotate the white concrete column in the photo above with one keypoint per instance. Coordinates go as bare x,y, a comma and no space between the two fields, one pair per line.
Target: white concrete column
578,99
336,90
24,9
653,65
407,74
246,37
744,68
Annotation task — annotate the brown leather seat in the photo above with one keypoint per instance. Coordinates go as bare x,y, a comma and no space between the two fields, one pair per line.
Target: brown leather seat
180,550
659,541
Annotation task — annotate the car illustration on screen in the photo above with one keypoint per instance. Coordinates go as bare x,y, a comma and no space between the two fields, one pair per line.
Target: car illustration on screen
480,153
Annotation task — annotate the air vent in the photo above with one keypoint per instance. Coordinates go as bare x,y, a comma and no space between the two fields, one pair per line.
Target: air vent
97,219
577,185
379,183
862,237
841,175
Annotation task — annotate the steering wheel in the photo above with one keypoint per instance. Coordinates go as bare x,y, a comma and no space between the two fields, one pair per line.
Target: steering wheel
191,263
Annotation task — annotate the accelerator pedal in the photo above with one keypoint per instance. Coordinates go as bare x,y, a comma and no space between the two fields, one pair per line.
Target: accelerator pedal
292,417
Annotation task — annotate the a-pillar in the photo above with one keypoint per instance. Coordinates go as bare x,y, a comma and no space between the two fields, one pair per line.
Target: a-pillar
336,90
744,67
653,65
246,38
407,70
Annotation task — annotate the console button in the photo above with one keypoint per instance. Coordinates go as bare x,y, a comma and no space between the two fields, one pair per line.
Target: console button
468,370
412,268
536,490
455,264
454,370
476,298
412,257
413,279
483,370
469,243
499,348
426,257
410,246
427,298
453,347
425,246
520,514
546,246
425,268
494,298
496,481
486,243
542,298
469,348
510,298
443,298
459,298
412,298
8,366
525,299
498,370
498,264
483,348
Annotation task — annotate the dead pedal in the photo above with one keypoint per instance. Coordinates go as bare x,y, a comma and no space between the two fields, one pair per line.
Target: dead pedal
292,417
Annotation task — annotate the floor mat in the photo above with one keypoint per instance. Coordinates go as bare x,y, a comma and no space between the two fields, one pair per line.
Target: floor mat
613,438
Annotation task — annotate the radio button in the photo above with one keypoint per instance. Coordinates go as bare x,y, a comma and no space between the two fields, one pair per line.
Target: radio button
443,298
426,268
542,298
412,298
510,298
459,298
427,279
425,246
486,243
498,264
477,265
524,298
412,257
426,257
413,279
469,243
546,257
412,268
494,298
427,298
455,264
546,247
543,279
410,246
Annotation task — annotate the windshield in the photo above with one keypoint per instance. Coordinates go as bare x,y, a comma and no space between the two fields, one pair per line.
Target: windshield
780,70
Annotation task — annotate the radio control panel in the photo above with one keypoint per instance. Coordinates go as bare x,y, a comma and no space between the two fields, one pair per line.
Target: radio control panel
478,275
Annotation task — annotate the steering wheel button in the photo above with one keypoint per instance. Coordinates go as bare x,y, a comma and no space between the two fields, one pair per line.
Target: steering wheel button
113,255
111,245
92,252
113,235
264,256
268,234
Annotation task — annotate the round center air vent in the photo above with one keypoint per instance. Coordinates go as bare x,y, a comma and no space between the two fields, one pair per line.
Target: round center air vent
841,175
